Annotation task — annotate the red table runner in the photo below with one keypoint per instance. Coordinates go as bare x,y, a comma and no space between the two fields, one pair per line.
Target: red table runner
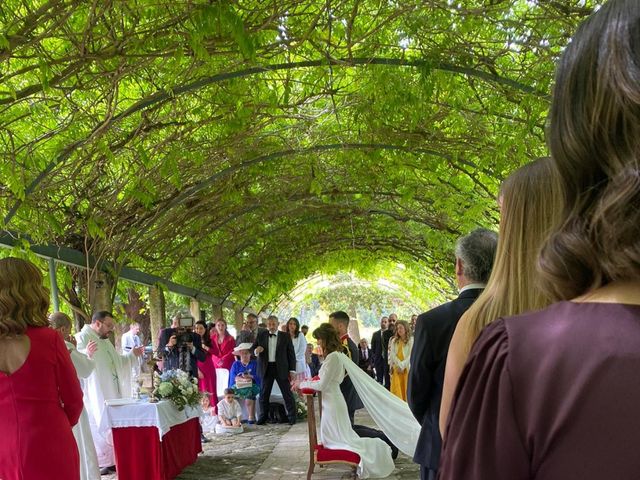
140,455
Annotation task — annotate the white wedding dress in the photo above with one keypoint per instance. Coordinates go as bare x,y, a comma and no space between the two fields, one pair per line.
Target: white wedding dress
391,414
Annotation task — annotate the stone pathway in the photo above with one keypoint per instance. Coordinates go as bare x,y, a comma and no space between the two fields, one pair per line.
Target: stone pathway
272,452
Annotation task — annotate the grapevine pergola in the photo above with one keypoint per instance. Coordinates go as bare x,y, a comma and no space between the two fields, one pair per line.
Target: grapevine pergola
240,147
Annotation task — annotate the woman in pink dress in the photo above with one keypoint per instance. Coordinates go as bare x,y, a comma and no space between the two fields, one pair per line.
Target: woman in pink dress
206,369
222,345
40,396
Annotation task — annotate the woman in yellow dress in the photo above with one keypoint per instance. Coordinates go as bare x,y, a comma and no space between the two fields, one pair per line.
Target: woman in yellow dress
399,354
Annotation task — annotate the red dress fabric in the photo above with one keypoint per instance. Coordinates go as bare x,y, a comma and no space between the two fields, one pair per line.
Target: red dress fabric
40,402
550,395
208,382
222,353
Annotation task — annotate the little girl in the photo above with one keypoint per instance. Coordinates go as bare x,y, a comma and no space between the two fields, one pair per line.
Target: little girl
229,413
208,419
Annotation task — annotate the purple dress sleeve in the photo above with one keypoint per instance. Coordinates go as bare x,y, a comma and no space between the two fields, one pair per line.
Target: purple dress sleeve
483,438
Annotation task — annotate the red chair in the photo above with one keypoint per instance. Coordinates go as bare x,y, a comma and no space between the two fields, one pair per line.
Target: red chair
319,455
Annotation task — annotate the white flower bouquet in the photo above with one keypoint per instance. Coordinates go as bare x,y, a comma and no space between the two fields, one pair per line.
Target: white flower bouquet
175,385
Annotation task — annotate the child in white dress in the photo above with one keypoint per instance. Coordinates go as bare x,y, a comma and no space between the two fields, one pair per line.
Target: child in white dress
208,419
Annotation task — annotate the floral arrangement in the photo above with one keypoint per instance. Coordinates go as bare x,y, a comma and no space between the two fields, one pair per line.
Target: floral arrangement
177,386
301,405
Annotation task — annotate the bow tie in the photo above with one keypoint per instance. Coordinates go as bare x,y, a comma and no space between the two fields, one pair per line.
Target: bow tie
273,334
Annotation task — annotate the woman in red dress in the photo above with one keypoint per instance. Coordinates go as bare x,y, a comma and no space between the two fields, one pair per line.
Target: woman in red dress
206,369
40,396
222,345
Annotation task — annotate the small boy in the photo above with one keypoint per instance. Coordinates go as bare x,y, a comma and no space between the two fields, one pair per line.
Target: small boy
229,411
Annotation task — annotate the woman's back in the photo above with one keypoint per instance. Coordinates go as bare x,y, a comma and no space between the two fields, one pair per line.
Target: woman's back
40,401
566,385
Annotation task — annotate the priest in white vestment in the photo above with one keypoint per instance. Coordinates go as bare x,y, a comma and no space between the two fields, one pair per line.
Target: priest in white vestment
110,379
84,365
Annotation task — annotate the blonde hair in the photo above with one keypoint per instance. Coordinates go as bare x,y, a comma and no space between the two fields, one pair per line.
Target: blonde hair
407,331
24,301
531,203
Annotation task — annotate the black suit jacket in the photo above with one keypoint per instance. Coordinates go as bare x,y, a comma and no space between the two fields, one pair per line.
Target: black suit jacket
346,387
386,336
171,355
376,348
285,354
432,337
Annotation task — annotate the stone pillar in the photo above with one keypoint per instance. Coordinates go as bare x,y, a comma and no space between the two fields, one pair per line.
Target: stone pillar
216,312
238,318
194,308
156,313
100,289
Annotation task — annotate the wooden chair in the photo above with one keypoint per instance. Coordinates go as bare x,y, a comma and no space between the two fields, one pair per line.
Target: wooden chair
318,455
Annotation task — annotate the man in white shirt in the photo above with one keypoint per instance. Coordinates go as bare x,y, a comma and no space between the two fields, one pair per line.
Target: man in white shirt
131,339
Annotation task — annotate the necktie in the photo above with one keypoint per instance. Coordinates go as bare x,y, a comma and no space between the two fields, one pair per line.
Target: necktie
272,335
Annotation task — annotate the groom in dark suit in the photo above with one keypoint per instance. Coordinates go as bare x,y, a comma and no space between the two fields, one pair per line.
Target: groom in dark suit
276,362
475,254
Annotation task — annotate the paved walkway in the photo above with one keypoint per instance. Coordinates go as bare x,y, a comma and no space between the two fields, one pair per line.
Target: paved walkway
272,452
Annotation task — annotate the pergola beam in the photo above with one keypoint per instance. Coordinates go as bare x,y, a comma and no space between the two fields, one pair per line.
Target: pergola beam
76,258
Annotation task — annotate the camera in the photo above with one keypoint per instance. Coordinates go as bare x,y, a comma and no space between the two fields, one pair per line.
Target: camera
184,332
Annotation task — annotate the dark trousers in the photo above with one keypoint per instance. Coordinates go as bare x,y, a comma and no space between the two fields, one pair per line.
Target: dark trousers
368,432
427,473
270,376
379,366
387,377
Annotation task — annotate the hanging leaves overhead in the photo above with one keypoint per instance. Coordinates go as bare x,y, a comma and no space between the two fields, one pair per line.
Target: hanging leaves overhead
241,146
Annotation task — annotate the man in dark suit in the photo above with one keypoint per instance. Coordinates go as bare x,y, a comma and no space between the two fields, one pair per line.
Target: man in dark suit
475,254
386,336
340,321
276,362
376,350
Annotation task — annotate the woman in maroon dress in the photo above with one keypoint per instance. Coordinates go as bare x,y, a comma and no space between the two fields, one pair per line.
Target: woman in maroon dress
222,345
554,394
40,396
206,370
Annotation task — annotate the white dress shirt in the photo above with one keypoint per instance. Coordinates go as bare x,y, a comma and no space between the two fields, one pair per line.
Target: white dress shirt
273,341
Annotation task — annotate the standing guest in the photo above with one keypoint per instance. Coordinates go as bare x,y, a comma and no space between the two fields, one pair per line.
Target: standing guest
248,335
386,336
414,319
376,350
553,394
364,356
304,329
299,347
340,321
40,396
276,363
400,347
313,361
89,469
110,379
130,339
529,200
475,254
206,371
184,355
222,345
244,379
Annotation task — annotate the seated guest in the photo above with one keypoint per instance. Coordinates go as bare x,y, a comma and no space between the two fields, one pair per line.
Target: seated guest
229,411
208,419
553,394
365,361
244,380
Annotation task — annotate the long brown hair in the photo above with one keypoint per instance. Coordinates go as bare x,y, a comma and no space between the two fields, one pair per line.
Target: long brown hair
24,300
530,201
407,331
330,338
594,138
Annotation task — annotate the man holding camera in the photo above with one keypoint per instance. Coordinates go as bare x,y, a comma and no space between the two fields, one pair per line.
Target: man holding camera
180,348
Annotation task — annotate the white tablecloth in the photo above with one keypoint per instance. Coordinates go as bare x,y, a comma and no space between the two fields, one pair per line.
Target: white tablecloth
162,415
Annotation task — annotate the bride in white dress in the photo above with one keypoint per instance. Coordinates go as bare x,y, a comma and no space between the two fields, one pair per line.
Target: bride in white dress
390,413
